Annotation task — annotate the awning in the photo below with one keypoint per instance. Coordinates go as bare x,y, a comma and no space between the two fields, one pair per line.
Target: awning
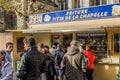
85,25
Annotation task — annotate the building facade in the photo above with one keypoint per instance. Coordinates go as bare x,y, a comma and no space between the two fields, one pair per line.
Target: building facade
102,31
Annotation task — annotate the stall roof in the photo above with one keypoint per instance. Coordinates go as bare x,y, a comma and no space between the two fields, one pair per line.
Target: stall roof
73,26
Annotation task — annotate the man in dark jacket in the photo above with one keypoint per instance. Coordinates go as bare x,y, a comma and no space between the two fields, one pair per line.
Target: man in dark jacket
32,61
73,63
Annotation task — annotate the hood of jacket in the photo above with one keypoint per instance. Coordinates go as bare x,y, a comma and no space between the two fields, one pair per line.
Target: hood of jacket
72,51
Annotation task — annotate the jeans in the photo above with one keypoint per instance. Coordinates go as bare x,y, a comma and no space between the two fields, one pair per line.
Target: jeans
89,74
58,71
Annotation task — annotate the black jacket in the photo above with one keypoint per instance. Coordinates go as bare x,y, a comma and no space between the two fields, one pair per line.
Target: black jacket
51,72
31,65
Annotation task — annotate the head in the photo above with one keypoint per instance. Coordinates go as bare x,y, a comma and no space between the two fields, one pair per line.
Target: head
88,47
40,46
75,44
2,55
46,49
21,54
65,49
55,44
81,49
28,41
59,46
54,47
9,46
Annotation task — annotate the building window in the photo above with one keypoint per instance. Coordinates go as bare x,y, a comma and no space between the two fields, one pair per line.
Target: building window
116,1
75,3
64,4
91,2
20,45
101,2
13,20
116,43
78,3
98,42
1,18
104,2
97,2
81,3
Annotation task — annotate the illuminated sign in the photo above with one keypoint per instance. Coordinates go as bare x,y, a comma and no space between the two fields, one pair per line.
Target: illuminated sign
104,11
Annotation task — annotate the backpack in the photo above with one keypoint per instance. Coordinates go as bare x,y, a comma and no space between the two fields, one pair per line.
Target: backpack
58,58
86,62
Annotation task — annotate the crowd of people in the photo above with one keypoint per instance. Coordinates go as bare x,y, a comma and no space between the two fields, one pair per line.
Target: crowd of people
40,63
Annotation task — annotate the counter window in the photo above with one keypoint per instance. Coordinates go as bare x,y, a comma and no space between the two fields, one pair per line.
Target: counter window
55,39
20,45
98,42
67,39
116,43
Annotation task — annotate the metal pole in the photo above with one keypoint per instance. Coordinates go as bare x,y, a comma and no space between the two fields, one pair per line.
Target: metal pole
119,49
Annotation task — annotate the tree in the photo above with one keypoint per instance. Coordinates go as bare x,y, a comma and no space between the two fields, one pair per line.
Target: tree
23,8
17,8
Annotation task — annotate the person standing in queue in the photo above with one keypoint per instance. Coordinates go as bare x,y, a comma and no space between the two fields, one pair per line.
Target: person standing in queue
73,63
51,72
6,70
32,61
41,47
9,49
91,58
58,55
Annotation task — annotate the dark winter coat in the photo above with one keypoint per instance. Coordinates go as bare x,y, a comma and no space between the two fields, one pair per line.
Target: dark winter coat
51,72
73,64
31,65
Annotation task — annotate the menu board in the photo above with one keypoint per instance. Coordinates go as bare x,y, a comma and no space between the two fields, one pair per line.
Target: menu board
116,43
98,42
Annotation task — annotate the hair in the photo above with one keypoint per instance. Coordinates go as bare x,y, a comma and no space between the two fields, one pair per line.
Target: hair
8,43
60,46
89,46
81,49
41,45
45,46
30,40
2,52
74,43
21,54
55,43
